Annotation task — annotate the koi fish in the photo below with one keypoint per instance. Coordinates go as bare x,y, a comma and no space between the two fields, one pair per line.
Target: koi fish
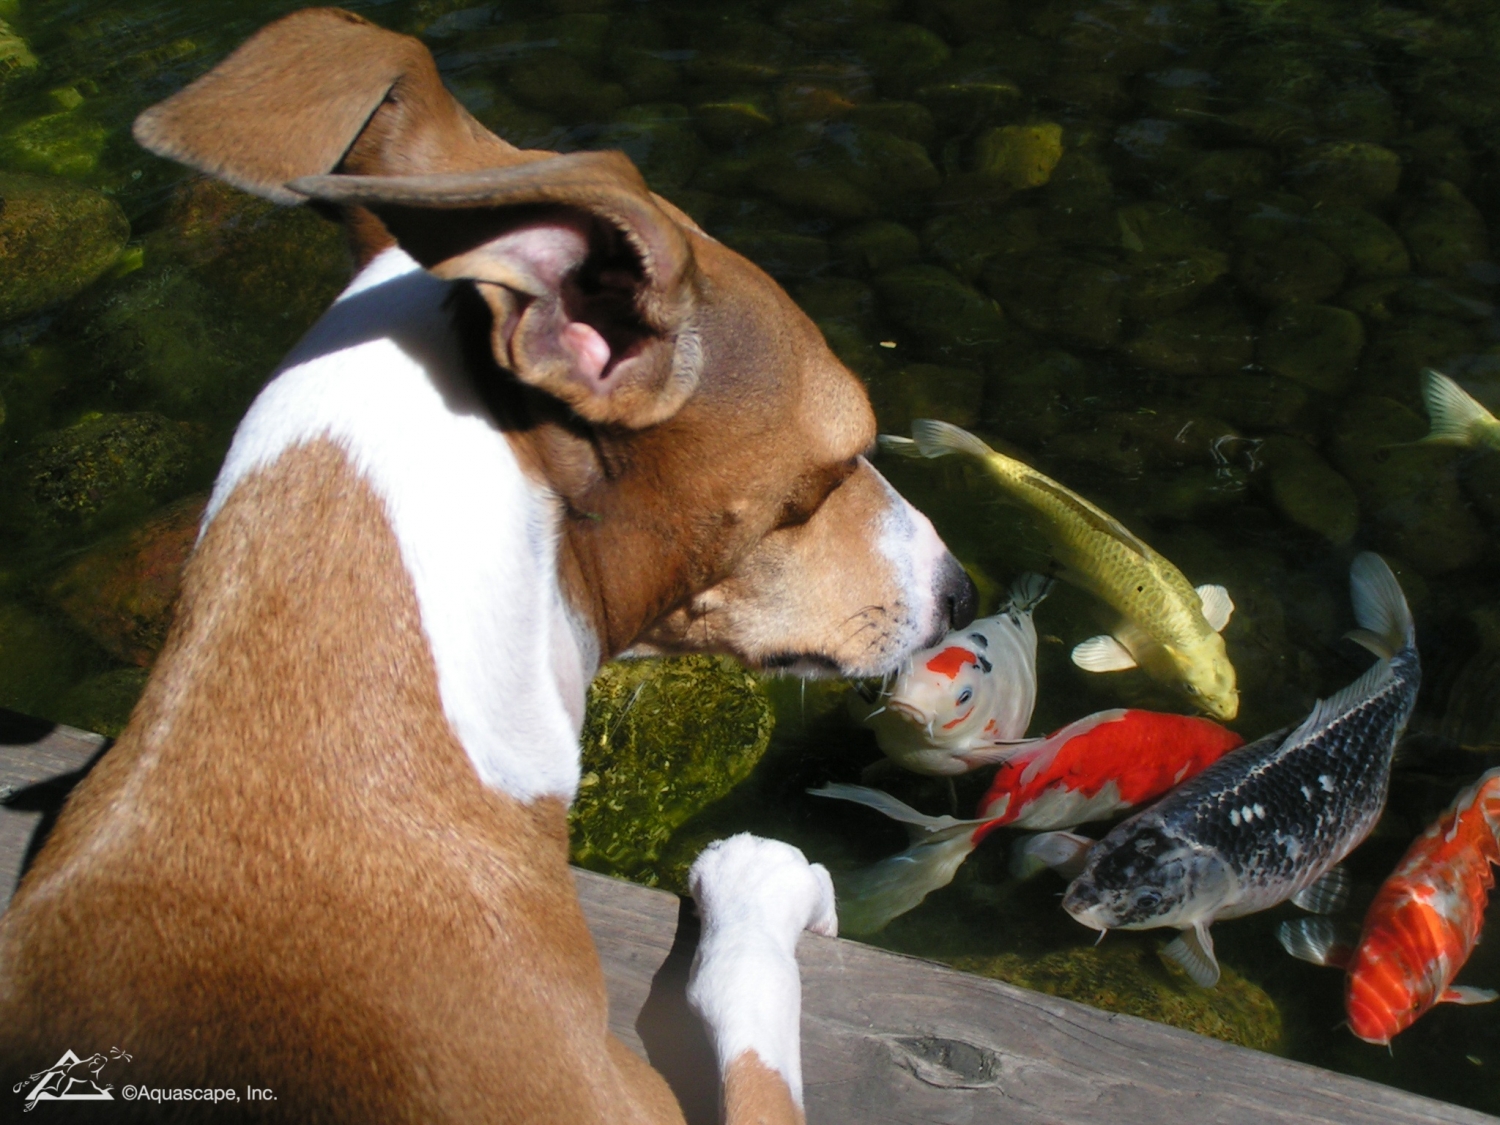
1457,417
1089,770
960,704
1271,821
1423,924
1168,628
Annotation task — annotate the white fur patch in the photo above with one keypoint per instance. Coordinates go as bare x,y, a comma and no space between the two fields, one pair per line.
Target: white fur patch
756,896
916,553
380,375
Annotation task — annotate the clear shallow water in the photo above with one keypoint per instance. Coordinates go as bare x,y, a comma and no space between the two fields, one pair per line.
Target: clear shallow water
1188,258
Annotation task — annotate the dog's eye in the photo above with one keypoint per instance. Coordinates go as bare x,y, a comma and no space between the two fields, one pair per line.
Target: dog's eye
812,490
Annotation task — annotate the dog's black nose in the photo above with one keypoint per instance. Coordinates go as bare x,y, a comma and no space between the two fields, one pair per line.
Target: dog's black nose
958,593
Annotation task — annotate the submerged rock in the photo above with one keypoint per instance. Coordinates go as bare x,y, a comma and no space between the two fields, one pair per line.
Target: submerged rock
55,239
103,703
933,304
1019,156
662,739
58,144
877,246
1297,268
927,390
1130,977
108,459
1372,249
965,244
1062,295
121,593
1444,231
1255,402
1315,345
39,660
1410,491
16,58
1213,339
1351,173
1307,490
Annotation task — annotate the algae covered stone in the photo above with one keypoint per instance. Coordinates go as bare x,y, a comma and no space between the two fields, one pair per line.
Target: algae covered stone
55,238
1129,977
1062,295
104,460
1307,490
932,303
1348,173
103,703
1213,339
39,660
1444,231
1315,345
1019,156
927,390
662,739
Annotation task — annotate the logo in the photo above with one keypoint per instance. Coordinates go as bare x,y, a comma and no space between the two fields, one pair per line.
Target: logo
65,1081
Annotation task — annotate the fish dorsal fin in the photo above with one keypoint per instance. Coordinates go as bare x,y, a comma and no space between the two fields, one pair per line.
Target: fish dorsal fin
1326,710
1455,413
1379,606
920,825
1468,994
1101,522
1194,950
1102,654
1217,606
1064,852
1326,895
1316,941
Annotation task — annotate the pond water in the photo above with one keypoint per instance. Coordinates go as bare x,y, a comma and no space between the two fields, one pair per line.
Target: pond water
1186,256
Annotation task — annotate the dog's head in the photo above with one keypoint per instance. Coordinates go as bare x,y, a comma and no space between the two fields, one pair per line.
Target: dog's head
707,448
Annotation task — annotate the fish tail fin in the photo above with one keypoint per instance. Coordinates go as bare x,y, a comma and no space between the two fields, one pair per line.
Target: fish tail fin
1029,591
938,439
1455,413
873,896
901,446
1385,624
922,827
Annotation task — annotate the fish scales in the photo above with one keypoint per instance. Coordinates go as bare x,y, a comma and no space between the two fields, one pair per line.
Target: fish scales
1269,821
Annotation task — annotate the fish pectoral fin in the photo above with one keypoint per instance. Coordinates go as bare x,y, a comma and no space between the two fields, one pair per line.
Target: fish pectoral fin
1194,951
1326,895
1316,941
1467,994
1217,606
1063,852
1102,654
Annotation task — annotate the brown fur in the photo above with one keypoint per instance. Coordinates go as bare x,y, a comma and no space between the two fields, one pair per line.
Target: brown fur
287,873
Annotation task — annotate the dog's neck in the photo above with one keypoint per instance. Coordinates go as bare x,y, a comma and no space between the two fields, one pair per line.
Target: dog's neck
382,377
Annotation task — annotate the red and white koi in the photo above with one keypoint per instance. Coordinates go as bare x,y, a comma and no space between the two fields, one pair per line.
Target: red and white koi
1089,770
1422,925
967,700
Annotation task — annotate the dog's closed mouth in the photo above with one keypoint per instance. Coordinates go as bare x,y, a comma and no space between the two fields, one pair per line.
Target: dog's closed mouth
807,664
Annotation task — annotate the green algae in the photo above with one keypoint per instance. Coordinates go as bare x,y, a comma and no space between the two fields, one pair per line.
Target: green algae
56,238
662,739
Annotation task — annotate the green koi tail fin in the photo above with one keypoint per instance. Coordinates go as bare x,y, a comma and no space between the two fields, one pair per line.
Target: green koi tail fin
938,439
1385,624
1456,415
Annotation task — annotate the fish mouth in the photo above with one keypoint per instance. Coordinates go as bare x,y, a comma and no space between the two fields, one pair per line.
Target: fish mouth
1224,709
911,713
1083,905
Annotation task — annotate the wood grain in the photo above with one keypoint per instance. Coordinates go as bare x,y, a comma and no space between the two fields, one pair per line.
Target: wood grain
886,1038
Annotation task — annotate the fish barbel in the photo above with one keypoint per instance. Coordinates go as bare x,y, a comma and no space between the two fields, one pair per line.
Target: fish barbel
1168,628
1089,770
1422,925
1271,821
966,701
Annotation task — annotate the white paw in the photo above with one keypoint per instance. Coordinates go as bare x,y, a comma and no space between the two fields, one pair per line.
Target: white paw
748,880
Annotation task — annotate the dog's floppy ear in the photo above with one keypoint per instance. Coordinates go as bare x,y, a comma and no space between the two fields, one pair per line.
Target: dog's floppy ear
591,283
315,91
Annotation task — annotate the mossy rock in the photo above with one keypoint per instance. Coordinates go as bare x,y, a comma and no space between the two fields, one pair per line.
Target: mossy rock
1315,345
731,120
662,739
876,246
1409,490
1213,339
1019,156
16,57
121,593
1228,174
1062,295
1348,173
910,120
55,239
1405,345
557,82
901,55
104,460
1307,490
659,141
1372,249
966,243
39,661
1298,268
1131,978
57,144
933,304
1444,231
784,255
103,703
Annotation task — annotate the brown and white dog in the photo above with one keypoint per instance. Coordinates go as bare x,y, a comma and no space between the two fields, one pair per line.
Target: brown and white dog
550,420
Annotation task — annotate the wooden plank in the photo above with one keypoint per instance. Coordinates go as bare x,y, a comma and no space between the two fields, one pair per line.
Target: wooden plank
886,1038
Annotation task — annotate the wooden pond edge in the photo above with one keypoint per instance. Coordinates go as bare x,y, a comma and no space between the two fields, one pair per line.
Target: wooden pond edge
886,1038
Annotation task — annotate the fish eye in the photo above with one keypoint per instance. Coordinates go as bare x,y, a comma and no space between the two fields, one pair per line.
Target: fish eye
1192,689
965,695
1147,899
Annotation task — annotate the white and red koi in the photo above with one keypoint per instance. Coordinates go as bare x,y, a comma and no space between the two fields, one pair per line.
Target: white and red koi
967,700
1089,770
1423,924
